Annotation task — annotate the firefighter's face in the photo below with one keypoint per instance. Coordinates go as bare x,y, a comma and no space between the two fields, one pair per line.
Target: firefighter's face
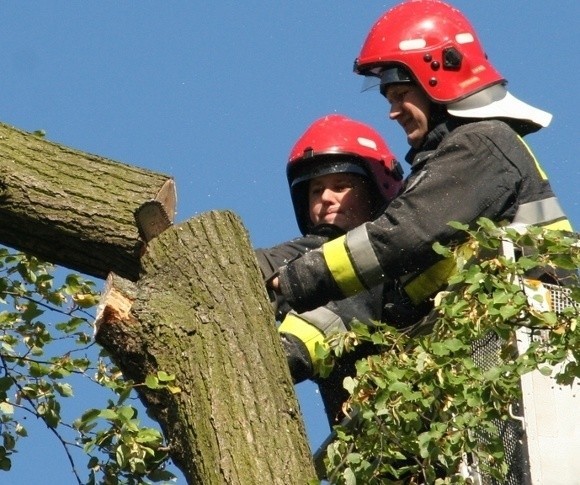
410,107
342,199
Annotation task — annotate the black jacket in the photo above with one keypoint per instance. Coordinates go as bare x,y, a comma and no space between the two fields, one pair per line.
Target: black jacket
382,303
465,170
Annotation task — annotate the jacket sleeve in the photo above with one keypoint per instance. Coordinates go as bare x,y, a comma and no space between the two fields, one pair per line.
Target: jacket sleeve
302,332
469,176
270,260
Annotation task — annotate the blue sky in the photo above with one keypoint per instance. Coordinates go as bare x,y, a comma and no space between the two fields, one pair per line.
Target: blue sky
215,94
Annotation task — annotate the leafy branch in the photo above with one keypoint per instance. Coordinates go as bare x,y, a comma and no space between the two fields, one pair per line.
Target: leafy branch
38,357
427,400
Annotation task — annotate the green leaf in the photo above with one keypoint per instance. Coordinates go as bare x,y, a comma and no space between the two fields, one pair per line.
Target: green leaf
71,325
400,387
108,414
38,370
120,456
64,389
6,383
565,261
149,435
85,300
349,384
152,382
90,415
9,441
459,226
5,464
127,412
527,263
550,318
508,311
442,250
159,475
165,377
454,344
6,408
546,371
349,477
93,462
20,430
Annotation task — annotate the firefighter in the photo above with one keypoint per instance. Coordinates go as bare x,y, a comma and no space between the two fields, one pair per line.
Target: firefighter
341,173
468,160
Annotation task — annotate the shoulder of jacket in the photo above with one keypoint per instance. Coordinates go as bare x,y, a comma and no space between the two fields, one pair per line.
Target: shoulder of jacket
496,131
493,127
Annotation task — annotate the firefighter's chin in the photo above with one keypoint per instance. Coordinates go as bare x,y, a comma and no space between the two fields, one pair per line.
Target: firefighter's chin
339,220
415,139
334,218
415,135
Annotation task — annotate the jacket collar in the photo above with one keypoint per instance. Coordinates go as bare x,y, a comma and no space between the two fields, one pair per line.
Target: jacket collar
433,139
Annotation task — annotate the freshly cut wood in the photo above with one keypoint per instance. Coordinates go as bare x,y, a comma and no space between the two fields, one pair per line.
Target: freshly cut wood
73,208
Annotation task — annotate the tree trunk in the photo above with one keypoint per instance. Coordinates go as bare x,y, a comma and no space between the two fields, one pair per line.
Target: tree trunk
200,311
74,209
190,303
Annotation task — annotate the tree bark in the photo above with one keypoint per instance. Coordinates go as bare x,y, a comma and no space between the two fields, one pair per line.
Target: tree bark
72,208
190,302
200,311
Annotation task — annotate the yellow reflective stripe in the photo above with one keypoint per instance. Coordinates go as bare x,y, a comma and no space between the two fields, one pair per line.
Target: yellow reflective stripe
307,333
430,281
434,278
340,266
563,225
540,170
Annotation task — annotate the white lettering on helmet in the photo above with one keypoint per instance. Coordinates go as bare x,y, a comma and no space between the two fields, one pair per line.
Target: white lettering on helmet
367,142
464,38
469,82
412,44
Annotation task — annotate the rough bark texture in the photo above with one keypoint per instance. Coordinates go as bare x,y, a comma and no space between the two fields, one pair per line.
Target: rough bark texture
72,208
196,306
200,311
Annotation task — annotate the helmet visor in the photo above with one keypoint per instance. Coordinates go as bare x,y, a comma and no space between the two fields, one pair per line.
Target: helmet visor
371,82
312,171
385,77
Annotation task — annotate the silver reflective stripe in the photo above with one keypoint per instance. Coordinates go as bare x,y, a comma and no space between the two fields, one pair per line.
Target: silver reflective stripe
539,212
363,257
324,320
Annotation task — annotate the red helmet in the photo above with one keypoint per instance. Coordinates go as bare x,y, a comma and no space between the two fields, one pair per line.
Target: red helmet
338,144
435,43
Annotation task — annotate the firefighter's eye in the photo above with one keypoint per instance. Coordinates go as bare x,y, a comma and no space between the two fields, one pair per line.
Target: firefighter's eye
397,95
342,187
315,190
